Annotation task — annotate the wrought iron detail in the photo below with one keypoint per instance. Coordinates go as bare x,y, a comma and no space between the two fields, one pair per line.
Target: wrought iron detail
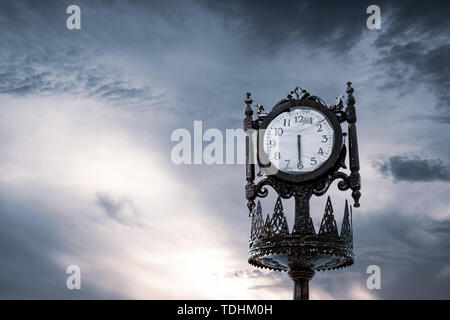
346,229
303,225
328,227
257,222
278,223
350,111
326,250
321,186
249,163
267,230
302,251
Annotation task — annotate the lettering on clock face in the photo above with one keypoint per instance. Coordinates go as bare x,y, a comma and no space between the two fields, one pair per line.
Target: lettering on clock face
299,141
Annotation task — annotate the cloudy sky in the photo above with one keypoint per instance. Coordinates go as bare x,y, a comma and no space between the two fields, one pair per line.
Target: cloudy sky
86,116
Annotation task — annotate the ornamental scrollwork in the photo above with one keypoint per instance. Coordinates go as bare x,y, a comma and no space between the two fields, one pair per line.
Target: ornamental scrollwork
284,190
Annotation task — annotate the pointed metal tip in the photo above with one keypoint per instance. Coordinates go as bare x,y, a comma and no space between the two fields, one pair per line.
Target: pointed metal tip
278,202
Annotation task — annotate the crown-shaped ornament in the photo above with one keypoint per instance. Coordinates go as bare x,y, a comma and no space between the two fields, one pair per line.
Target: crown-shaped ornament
271,241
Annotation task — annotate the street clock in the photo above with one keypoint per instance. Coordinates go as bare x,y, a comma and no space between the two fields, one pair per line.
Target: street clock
300,150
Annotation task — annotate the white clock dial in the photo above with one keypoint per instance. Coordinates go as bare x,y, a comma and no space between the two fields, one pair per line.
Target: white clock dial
299,141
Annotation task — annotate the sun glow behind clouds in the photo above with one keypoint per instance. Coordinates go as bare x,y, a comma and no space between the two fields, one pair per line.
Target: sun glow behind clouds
61,153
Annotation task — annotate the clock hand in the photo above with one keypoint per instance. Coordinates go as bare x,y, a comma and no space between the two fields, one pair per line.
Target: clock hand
312,125
302,129
299,147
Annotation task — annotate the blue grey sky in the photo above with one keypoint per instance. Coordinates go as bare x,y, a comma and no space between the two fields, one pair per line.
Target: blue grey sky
86,116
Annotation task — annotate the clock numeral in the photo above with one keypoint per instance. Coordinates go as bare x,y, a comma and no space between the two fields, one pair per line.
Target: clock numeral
277,156
325,138
278,131
311,120
272,143
320,152
313,161
287,164
298,119
287,122
320,127
300,165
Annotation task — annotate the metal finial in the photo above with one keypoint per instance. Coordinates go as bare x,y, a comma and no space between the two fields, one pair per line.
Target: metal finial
260,110
349,89
248,100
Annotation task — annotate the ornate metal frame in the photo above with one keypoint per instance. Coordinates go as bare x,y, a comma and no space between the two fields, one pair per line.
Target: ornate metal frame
272,246
286,189
302,251
285,106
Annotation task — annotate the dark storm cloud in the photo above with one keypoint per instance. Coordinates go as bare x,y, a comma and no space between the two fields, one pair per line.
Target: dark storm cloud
415,49
67,70
442,227
270,25
413,168
39,56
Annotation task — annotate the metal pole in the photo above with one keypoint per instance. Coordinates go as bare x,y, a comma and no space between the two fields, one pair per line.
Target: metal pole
301,277
301,289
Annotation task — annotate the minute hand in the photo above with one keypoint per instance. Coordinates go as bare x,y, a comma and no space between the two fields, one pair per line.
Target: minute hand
301,130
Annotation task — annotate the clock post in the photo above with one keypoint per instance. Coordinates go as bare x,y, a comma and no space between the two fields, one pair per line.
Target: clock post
301,150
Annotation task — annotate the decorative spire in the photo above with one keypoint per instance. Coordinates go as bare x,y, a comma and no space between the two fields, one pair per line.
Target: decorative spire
328,226
329,207
278,224
346,229
257,222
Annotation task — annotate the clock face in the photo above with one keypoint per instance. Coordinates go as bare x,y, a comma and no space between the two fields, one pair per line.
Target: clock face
299,141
